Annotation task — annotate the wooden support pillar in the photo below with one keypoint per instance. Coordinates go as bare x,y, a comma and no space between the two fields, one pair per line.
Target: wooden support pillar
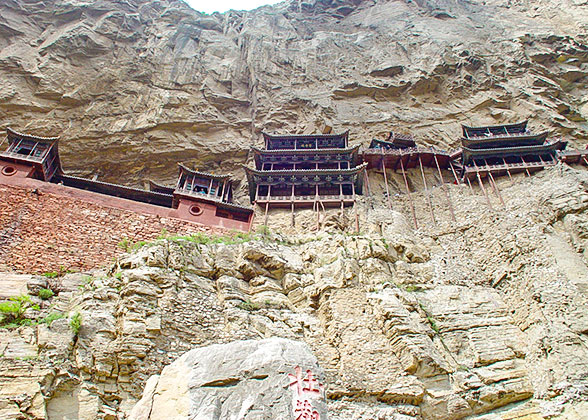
444,188
386,183
428,195
292,206
454,174
470,184
265,215
223,191
409,196
495,187
210,186
526,169
316,201
584,159
507,171
367,181
483,189
251,222
355,209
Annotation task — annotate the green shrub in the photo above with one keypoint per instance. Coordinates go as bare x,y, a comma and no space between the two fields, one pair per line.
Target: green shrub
53,316
50,274
16,306
163,234
46,294
124,244
139,245
263,230
75,323
12,312
248,306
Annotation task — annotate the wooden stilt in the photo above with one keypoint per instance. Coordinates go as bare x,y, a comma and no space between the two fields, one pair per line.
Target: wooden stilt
355,209
454,174
316,201
251,222
386,183
265,215
483,189
584,159
444,188
292,205
526,169
507,171
427,191
470,184
416,226
367,182
495,187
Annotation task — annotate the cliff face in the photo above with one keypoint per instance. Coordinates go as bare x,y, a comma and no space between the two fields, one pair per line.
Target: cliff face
134,86
484,317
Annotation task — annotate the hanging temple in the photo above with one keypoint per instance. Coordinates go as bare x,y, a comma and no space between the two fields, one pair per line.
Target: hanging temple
315,171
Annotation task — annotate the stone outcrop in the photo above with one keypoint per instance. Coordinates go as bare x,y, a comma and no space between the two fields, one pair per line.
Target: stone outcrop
480,317
244,379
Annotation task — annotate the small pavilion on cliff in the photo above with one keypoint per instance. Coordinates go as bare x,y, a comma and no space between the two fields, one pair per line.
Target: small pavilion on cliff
316,171
505,149
496,150
208,197
31,156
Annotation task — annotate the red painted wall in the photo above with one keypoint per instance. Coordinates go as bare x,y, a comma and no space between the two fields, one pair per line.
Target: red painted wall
207,215
46,227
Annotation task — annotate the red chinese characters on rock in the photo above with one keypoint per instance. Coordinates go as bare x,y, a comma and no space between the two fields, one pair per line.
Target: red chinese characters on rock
306,388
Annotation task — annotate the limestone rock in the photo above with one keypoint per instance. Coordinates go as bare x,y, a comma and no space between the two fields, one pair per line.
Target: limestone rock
243,379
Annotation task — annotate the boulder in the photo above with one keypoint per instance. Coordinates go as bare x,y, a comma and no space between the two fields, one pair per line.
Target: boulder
250,379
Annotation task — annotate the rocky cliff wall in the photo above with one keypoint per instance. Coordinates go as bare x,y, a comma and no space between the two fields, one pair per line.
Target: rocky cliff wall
134,86
483,317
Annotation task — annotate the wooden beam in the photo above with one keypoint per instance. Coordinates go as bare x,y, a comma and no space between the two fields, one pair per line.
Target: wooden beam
318,222
507,171
355,208
483,189
386,183
427,190
265,215
454,174
444,188
409,196
495,187
367,181
251,221
470,184
526,169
